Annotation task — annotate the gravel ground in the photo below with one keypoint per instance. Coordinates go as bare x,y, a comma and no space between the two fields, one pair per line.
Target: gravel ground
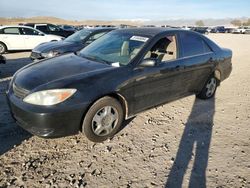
186,143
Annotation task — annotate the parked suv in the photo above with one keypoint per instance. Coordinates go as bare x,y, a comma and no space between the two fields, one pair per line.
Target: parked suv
218,29
50,29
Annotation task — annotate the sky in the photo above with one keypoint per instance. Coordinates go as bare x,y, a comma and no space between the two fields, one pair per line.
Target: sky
126,9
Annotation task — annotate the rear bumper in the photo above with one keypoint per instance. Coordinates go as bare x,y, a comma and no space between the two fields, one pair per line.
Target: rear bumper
46,123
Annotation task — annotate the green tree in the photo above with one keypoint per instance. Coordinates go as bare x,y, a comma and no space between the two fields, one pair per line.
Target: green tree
236,22
199,23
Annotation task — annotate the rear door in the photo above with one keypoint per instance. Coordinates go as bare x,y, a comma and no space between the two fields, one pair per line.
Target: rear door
32,37
197,59
13,39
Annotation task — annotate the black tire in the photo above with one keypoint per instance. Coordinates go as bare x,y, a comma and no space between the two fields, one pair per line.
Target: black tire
3,48
89,125
208,92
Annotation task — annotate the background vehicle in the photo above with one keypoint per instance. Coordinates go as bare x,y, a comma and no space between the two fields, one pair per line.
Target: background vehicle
218,29
202,30
241,30
247,31
67,28
229,29
125,72
22,38
50,29
73,43
187,27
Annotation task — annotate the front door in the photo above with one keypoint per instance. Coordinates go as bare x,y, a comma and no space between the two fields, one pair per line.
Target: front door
160,83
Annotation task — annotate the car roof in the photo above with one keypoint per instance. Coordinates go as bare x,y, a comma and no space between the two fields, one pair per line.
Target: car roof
19,26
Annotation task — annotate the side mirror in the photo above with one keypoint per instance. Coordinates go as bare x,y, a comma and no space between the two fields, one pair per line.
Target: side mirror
148,63
41,34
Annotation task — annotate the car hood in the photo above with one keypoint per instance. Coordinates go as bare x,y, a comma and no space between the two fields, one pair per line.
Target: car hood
54,69
61,46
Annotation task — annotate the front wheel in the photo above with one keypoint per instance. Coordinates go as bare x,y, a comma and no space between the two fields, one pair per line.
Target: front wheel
103,119
209,89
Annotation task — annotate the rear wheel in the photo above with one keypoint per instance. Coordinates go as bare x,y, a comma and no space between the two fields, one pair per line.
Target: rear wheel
103,119
209,89
3,48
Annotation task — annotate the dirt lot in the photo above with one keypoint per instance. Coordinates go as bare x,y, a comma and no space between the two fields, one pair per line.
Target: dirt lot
185,143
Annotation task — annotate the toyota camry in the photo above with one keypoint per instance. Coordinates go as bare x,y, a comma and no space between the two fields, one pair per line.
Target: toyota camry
125,72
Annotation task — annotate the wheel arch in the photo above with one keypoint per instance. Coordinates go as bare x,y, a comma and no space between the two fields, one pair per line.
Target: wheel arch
4,45
121,99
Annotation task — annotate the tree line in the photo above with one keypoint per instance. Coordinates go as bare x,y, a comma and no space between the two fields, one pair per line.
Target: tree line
235,22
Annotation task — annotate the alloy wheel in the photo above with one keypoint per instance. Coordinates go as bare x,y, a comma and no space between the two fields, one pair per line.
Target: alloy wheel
211,87
105,120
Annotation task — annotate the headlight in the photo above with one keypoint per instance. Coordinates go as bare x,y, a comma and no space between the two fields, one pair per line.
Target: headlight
50,54
49,97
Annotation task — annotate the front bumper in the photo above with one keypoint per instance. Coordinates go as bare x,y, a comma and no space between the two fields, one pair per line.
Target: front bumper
46,122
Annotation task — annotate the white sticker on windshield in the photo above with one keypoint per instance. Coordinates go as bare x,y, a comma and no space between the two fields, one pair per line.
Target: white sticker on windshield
116,64
139,38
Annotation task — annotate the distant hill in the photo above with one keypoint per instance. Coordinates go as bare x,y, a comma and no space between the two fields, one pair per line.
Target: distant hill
54,20
134,22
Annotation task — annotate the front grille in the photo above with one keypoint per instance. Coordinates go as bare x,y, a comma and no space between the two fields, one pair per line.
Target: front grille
35,55
19,92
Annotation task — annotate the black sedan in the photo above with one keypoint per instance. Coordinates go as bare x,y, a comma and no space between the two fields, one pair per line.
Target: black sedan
119,75
73,43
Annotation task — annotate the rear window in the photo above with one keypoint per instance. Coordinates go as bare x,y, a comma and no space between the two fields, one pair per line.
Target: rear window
42,28
193,45
11,30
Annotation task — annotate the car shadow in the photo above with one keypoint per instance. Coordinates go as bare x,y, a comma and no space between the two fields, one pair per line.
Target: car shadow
125,123
12,65
10,133
194,146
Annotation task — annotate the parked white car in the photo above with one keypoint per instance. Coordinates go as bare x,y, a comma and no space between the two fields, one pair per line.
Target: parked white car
22,38
241,29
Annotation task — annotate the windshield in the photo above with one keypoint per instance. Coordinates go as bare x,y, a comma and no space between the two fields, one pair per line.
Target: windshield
78,36
114,48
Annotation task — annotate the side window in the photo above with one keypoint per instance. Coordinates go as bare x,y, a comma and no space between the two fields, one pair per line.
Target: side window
53,27
193,45
27,31
164,49
96,36
11,30
42,28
